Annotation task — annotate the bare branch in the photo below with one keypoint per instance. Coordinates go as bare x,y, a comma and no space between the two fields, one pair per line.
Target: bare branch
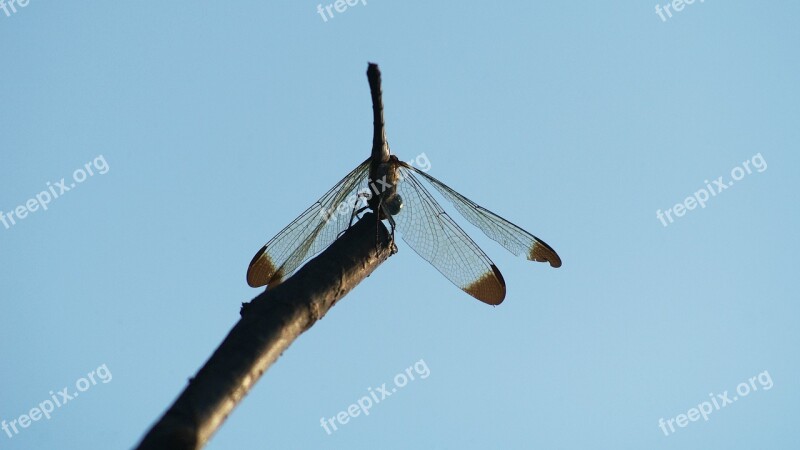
269,324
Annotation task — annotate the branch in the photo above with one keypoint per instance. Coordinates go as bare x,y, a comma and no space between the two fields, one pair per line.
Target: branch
267,327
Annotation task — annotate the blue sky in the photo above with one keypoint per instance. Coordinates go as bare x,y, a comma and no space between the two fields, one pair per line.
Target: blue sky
207,127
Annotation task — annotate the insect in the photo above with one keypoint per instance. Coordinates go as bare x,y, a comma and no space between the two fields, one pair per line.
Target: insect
395,191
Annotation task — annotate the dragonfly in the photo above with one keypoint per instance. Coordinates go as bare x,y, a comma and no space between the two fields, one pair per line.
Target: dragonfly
396,192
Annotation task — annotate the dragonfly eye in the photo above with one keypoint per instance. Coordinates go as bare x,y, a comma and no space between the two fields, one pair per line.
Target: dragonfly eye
394,204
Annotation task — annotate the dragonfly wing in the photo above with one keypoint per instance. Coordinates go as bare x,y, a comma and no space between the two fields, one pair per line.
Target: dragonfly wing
313,231
513,238
430,232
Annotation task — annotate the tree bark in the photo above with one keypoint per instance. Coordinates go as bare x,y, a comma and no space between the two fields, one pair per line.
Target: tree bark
268,325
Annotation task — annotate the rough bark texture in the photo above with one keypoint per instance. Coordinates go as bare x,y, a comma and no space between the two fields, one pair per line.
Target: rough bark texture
269,324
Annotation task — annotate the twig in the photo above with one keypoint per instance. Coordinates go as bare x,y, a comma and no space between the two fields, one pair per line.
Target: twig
269,324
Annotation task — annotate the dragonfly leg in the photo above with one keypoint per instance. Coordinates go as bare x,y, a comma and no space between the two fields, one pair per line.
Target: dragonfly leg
392,225
389,217
355,214
356,210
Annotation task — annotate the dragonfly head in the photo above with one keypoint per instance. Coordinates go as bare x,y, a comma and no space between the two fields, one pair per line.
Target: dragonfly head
394,204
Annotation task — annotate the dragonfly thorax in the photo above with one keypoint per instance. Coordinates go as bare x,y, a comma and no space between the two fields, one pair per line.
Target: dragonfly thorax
384,178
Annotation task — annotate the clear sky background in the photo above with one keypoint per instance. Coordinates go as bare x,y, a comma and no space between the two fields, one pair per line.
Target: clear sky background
220,122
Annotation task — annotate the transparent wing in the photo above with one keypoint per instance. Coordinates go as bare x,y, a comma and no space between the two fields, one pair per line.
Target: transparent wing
431,233
513,238
313,231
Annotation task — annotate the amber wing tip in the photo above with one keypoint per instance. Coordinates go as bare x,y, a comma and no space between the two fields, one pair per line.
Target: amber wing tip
542,252
261,269
489,288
